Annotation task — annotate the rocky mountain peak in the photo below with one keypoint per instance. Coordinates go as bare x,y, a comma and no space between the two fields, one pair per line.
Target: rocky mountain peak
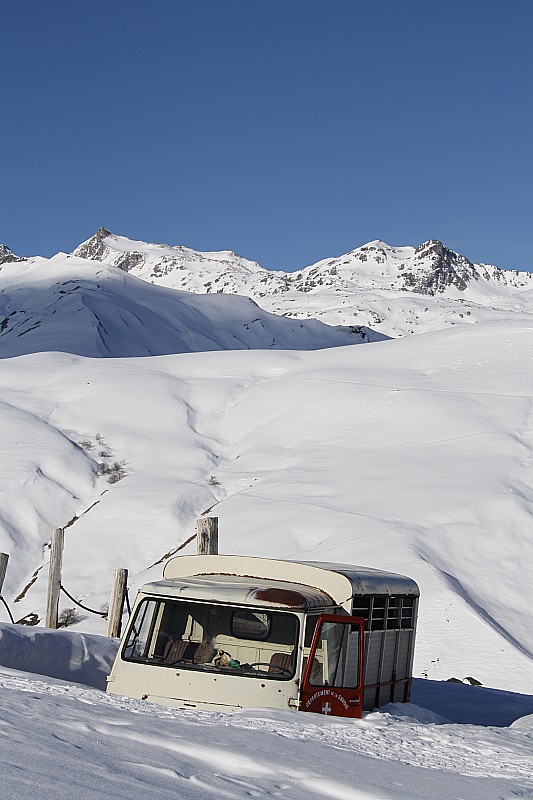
102,232
94,248
7,256
431,246
347,289
434,268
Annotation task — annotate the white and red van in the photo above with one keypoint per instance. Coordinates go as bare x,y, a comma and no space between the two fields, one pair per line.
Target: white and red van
228,632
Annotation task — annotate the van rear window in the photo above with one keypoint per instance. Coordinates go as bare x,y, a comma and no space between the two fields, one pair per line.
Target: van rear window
246,624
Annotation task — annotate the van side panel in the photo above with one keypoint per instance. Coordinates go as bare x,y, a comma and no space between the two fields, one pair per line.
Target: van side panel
389,639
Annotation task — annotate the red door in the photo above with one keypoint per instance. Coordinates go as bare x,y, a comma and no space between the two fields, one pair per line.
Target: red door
333,676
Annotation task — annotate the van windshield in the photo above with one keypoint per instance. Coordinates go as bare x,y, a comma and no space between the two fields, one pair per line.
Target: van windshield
241,641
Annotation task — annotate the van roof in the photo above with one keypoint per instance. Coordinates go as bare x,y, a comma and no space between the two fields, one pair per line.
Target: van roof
365,580
238,590
337,583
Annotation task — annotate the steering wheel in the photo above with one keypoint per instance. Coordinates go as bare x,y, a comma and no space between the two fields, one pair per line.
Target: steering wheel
271,667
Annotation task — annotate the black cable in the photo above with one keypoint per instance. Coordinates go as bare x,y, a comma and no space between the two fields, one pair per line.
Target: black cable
85,608
7,608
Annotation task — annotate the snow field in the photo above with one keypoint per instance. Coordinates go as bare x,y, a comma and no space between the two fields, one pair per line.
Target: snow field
84,740
408,455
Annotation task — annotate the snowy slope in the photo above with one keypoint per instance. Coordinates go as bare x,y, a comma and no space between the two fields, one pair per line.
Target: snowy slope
61,738
88,308
396,290
411,455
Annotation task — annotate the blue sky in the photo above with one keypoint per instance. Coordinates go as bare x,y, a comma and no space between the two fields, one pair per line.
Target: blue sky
285,130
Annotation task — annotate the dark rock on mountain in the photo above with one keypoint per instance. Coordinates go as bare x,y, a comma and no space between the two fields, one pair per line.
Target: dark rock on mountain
7,256
434,268
94,248
375,284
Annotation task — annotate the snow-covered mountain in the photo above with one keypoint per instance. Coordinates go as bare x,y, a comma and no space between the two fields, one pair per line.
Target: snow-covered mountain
85,307
394,290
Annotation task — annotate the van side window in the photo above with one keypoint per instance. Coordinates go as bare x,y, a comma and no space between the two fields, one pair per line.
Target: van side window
139,635
336,661
382,612
310,627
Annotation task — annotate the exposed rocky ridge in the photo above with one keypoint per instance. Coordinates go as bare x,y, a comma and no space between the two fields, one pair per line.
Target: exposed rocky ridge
429,269
398,290
434,268
7,256
162,258
94,248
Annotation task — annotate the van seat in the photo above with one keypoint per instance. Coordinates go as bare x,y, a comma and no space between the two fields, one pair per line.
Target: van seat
315,676
179,650
182,650
204,653
280,663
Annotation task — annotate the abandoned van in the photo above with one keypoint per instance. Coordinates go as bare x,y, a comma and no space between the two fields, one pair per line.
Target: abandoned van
230,632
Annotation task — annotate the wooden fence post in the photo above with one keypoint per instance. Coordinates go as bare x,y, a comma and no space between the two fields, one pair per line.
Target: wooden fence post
207,536
116,603
54,577
4,558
